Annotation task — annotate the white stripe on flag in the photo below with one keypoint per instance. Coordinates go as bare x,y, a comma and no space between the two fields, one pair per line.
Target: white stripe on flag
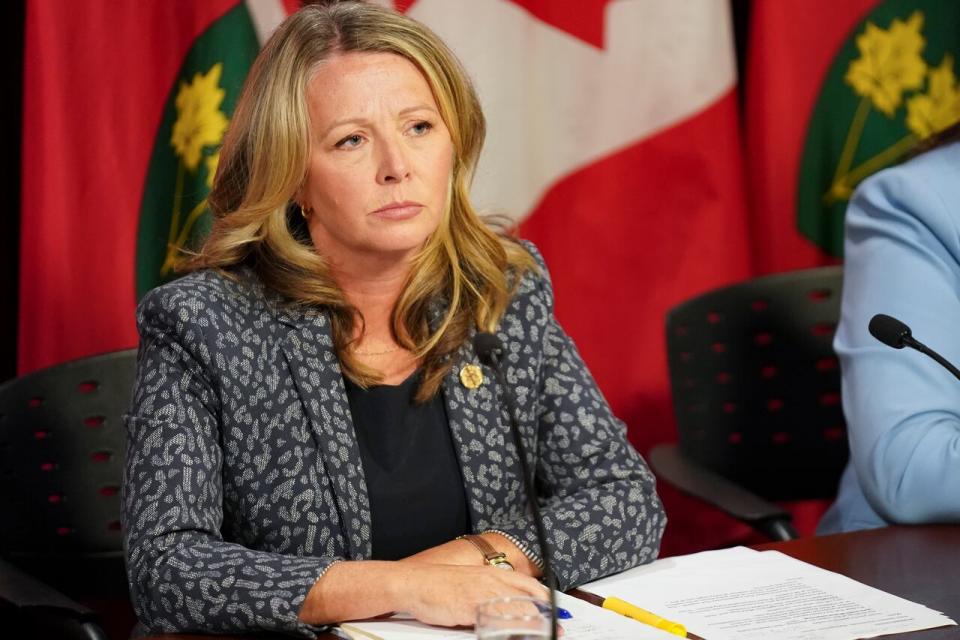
555,103
266,16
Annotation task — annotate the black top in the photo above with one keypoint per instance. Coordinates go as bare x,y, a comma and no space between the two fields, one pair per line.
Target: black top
412,471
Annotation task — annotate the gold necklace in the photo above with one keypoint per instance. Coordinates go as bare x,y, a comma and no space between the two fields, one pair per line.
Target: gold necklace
392,349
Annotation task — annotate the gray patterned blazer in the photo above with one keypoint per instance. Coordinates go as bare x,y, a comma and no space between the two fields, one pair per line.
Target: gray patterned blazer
243,476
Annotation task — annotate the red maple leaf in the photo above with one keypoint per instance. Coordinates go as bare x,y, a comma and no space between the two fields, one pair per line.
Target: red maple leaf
403,5
583,19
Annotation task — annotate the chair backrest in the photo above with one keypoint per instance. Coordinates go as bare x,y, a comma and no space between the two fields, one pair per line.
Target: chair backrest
61,457
756,384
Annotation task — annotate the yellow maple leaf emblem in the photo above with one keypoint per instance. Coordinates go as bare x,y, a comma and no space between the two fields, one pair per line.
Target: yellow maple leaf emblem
200,122
939,108
889,63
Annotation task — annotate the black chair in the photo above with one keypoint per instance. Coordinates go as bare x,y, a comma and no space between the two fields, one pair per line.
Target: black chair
61,461
756,393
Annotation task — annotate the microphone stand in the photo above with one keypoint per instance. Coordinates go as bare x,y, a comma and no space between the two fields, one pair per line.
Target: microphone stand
488,349
924,349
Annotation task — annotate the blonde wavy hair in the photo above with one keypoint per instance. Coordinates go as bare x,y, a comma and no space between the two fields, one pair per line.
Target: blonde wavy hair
465,266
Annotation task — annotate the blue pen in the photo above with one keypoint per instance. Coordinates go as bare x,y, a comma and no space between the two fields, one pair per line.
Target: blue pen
562,614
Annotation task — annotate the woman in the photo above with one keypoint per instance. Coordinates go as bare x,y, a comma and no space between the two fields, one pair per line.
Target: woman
311,430
902,258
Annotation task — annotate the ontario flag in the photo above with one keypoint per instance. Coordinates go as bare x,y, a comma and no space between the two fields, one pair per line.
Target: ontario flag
613,142
124,111
830,102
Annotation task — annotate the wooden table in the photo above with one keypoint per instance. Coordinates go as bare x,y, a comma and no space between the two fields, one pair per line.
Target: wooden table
921,564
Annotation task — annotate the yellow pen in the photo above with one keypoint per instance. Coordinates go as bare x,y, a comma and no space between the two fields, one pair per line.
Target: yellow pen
624,608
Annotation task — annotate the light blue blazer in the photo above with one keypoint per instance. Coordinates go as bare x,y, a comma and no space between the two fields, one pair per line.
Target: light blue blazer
902,408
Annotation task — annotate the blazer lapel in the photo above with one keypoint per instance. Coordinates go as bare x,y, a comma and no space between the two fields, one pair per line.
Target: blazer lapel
308,346
481,434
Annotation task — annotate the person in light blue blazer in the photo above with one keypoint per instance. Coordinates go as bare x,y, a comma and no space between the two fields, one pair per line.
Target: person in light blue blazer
902,258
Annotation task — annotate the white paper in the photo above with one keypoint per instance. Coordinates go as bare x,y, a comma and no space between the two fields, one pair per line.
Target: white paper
588,622
401,627
741,594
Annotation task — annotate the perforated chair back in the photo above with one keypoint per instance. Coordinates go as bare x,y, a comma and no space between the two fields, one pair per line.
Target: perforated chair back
756,384
61,457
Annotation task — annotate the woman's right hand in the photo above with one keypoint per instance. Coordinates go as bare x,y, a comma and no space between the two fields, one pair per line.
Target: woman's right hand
448,595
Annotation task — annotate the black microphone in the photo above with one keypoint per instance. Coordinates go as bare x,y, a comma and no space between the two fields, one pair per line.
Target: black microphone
489,348
894,333
890,331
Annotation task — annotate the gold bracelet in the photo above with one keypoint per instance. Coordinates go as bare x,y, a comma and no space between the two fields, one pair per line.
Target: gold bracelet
525,549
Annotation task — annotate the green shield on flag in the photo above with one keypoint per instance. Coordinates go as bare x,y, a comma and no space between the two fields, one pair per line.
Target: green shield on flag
173,212
892,84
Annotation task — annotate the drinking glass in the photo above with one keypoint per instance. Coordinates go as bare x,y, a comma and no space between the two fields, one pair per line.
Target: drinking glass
513,618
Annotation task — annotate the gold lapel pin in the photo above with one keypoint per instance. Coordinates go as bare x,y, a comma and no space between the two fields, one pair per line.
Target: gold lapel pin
471,376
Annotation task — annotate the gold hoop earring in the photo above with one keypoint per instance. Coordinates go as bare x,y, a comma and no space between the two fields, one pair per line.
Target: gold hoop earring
303,212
